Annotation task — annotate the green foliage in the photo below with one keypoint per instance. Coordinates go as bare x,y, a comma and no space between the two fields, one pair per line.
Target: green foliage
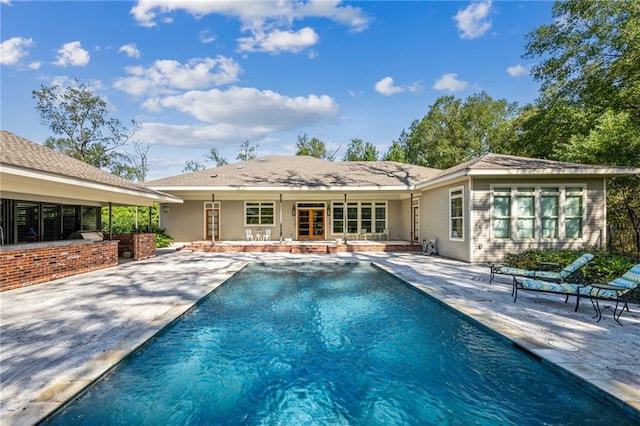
456,130
215,156
247,151
162,239
395,153
313,147
605,267
124,219
192,166
83,129
358,150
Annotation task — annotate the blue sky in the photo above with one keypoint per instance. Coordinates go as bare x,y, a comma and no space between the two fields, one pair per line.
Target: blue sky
201,75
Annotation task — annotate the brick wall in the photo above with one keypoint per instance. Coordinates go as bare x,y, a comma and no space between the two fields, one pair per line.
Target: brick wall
27,264
136,246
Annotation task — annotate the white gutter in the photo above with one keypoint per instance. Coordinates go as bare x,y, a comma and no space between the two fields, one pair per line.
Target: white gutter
70,181
282,188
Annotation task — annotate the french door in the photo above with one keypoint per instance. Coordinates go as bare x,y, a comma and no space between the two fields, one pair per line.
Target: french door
213,223
311,223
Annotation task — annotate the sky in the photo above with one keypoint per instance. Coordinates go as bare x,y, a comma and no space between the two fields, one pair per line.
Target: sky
214,74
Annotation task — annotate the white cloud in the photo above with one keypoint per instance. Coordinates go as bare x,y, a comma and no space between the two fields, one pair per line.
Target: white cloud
279,41
72,54
206,37
268,23
131,50
14,49
237,113
449,81
35,65
517,70
387,87
165,76
473,21
7,2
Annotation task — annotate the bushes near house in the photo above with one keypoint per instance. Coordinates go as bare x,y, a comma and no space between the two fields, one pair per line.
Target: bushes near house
605,267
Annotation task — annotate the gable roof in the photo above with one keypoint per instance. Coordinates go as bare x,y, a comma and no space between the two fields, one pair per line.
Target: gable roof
300,172
26,161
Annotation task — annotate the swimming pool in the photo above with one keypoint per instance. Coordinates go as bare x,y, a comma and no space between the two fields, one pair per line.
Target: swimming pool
330,344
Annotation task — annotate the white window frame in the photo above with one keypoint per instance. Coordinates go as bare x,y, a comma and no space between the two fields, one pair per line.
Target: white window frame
561,217
358,205
461,217
261,205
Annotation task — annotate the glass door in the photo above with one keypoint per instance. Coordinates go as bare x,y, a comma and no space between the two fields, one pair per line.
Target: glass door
416,224
311,223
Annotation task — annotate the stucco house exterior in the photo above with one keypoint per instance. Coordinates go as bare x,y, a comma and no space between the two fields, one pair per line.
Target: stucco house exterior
477,211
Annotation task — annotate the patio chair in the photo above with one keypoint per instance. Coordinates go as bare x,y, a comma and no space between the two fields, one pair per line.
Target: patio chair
363,234
541,272
249,234
566,289
620,290
267,235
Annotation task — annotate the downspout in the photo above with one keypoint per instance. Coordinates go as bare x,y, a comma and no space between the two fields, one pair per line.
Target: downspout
150,221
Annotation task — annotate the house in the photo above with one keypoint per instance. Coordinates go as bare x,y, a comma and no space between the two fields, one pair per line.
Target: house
478,211
49,203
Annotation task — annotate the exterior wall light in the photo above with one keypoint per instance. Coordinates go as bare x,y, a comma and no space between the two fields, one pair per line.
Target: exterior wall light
165,208
293,211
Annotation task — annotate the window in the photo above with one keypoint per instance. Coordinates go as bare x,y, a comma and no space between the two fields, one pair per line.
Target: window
525,224
259,213
368,215
573,212
502,212
455,214
538,212
549,212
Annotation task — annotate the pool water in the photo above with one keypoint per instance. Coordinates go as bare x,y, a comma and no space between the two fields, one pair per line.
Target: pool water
330,344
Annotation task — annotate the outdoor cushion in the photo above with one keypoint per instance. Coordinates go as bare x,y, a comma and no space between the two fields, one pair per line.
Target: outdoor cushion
559,276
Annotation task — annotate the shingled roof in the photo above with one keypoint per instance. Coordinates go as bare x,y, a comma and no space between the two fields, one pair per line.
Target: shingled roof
30,157
301,171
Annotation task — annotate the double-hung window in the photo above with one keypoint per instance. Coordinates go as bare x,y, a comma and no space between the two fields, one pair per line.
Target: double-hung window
526,221
573,211
363,215
259,213
550,208
537,212
502,212
456,218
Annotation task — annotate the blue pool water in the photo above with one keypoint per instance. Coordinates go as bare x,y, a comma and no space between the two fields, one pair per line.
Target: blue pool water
341,344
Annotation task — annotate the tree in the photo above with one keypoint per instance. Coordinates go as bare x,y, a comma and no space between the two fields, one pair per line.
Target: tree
83,128
395,153
192,166
590,54
314,148
247,151
358,150
454,131
215,156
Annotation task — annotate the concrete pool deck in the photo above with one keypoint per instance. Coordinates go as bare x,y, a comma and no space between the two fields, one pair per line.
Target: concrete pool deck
57,337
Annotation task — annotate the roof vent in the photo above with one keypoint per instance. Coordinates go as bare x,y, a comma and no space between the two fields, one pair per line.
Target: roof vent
239,166
215,175
391,175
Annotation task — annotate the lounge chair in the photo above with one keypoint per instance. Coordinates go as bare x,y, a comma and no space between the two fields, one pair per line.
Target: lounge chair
620,290
566,289
559,276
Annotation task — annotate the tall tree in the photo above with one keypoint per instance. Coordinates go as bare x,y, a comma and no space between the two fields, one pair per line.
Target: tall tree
83,127
395,152
247,151
192,166
590,54
454,131
314,147
358,150
215,156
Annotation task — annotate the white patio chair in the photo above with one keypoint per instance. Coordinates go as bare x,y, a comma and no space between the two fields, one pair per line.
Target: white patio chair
267,235
363,234
249,234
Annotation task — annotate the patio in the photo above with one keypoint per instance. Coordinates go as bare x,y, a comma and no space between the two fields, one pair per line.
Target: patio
59,336
300,247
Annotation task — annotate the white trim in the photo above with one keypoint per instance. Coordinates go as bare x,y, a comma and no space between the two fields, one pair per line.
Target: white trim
451,190
292,188
470,212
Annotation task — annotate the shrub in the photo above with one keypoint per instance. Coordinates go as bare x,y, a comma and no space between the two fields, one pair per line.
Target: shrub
162,239
605,267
